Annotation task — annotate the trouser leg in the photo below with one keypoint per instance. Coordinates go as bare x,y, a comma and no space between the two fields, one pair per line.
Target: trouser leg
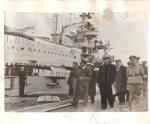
74,83
92,99
127,95
103,98
76,96
21,89
110,97
121,97
85,92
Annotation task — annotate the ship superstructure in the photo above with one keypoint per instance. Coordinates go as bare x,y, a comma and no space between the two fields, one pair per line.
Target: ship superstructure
43,56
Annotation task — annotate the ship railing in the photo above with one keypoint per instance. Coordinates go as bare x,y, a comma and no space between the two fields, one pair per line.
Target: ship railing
55,72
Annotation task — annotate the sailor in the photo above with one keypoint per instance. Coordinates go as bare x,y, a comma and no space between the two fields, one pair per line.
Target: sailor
30,70
16,69
7,69
92,82
13,69
120,82
106,77
84,78
22,81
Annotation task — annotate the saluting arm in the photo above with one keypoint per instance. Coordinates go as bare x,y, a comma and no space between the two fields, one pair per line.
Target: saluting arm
66,67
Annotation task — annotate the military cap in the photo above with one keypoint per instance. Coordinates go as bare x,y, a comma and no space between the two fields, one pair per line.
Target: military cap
133,56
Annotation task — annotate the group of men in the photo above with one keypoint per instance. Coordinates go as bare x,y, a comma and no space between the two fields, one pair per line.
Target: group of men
22,70
13,68
84,77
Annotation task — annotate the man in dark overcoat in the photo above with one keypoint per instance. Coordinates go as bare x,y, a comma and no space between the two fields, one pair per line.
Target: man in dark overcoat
120,81
106,77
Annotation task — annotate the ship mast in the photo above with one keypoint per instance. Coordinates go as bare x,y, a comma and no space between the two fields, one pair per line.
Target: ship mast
56,23
88,33
87,40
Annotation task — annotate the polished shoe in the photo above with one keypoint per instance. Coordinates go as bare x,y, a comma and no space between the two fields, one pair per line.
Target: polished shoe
121,103
74,104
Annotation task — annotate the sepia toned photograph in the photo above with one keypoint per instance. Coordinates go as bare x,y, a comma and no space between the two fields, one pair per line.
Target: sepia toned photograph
76,62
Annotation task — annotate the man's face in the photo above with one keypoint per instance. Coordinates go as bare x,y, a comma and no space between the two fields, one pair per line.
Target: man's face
75,64
106,61
118,64
22,69
134,60
90,66
83,63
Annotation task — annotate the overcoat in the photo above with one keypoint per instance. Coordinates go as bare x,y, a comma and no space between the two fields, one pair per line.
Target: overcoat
121,79
92,83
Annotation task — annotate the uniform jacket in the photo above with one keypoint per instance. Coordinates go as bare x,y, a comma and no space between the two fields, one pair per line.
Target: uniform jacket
84,74
135,74
73,74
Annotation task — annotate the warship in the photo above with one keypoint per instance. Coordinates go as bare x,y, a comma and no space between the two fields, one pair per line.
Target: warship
28,49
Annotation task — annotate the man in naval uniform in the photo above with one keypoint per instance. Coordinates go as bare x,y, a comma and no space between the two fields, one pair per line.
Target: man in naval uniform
120,82
84,78
106,77
22,81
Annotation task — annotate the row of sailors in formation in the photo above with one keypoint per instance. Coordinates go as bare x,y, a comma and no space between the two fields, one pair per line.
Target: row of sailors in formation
33,70
43,70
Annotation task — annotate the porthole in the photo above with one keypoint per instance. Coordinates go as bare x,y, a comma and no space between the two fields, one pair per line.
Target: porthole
22,48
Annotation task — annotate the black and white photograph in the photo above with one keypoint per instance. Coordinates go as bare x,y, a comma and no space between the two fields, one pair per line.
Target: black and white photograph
76,62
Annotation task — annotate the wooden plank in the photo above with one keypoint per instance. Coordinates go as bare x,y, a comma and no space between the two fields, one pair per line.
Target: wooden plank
45,107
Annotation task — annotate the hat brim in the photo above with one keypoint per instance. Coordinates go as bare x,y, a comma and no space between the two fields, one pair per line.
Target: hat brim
106,58
118,60
134,57
89,64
